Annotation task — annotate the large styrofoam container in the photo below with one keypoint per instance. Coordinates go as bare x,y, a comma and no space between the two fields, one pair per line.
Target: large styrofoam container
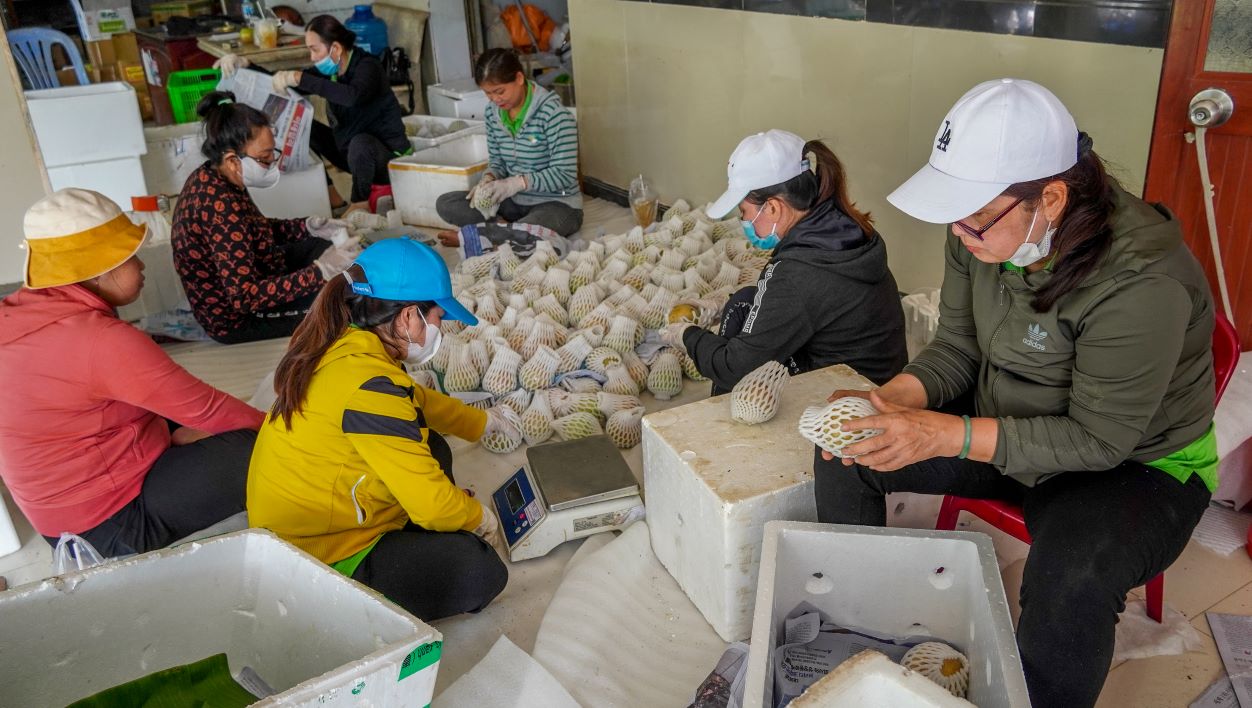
711,483
315,636
173,154
898,582
118,179
416,121
457,99
297,195
79,124
418,180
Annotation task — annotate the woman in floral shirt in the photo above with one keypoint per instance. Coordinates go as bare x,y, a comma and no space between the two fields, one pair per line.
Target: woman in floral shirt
247,277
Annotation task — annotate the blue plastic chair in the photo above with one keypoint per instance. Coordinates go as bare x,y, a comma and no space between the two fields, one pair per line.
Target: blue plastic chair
33,48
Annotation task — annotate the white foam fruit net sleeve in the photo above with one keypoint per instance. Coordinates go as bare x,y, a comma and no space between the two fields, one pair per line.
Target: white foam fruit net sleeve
820,424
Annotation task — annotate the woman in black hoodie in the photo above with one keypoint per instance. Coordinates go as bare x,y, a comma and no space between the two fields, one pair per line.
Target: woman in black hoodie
826,297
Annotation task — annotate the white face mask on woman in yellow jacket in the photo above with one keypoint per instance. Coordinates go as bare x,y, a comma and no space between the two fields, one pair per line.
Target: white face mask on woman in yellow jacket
356,463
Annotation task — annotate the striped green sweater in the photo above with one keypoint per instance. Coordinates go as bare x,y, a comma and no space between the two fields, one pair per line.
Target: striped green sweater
545,150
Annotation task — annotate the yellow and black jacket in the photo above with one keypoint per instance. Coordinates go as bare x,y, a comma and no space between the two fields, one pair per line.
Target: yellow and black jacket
356,463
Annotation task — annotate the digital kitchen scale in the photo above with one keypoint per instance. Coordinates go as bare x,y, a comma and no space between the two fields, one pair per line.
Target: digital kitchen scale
567,490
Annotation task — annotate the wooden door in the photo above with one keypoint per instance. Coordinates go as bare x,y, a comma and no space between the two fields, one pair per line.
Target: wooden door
1209,46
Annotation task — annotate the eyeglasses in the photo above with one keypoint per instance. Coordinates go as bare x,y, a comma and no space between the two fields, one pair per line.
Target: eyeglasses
267,159
977,233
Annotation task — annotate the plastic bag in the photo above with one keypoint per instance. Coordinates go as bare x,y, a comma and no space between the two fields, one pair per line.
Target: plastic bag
72,553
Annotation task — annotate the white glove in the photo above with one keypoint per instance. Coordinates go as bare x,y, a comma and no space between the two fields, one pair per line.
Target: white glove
362,220
284,80
501,189
231,63
337,259
479,189
672,335
504,420
333,230
489,531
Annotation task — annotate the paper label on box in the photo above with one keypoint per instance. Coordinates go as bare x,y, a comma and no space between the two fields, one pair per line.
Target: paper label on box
111,22
420,659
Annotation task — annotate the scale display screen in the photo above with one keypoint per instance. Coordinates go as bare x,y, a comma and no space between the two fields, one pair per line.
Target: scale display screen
513,495
519,506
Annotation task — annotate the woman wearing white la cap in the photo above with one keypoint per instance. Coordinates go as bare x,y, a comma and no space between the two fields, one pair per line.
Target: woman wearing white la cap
825,297
1077,320
85,432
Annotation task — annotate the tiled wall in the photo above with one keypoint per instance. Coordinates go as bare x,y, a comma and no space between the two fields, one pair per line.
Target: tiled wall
1134,22
669,91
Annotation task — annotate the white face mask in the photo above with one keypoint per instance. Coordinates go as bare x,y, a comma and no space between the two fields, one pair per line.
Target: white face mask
257,176
1030,253
419,354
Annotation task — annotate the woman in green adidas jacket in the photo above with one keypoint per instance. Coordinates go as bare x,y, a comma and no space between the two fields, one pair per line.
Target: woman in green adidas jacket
532,170
1080,325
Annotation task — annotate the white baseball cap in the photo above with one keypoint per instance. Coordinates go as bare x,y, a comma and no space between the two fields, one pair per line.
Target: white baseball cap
1000,133
761,160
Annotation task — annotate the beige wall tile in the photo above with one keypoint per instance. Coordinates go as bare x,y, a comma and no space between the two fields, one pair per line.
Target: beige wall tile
669,91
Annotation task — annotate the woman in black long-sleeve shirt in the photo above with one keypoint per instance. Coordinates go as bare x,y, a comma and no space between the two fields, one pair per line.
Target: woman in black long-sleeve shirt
365,130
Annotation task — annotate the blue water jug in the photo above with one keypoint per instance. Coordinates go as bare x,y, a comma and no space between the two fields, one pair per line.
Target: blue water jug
371,32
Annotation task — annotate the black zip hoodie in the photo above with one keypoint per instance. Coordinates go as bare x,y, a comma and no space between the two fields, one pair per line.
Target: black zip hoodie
826,297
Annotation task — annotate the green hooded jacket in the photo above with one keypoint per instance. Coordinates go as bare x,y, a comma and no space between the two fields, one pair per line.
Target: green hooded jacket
1120,368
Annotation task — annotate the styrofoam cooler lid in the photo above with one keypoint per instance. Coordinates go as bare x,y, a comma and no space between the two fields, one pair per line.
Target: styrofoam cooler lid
458,89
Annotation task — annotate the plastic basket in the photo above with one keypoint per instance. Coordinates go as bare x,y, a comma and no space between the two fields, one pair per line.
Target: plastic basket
186,88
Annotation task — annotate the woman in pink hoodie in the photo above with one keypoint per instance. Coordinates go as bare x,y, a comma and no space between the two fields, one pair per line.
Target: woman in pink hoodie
102,434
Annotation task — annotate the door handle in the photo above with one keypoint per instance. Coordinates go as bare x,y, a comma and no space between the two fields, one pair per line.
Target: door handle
1210,108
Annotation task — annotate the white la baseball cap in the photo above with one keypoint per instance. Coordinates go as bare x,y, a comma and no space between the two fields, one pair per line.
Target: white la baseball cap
761,160
1000,133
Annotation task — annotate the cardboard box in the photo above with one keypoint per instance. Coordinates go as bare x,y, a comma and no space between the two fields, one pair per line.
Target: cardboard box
101,19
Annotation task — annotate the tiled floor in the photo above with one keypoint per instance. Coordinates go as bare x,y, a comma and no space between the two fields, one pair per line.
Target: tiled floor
1198,582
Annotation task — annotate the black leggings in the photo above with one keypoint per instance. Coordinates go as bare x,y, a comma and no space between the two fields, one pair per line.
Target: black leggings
434,574
365,159
1096,536
190,488
280,321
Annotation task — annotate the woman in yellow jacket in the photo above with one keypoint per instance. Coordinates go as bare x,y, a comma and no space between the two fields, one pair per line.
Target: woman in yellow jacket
348,465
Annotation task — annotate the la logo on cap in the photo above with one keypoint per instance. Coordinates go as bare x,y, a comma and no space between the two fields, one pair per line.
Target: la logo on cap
946,137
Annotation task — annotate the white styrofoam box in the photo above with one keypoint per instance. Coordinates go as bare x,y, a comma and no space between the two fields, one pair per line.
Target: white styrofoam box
312,634
418,180
472,127
297,195
118,179
871,680
78,124
711,483
457,99
895,582
9,541
173,154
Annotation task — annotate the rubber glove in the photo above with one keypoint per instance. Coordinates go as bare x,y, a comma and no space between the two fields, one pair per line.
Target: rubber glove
478,189
672,335
502,189
333,230
504,420
231,63
284,80
337,259
489,530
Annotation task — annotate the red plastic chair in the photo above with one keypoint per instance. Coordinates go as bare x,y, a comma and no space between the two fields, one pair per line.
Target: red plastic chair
1008,517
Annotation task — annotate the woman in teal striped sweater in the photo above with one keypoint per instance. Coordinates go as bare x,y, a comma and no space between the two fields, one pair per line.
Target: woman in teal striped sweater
532,172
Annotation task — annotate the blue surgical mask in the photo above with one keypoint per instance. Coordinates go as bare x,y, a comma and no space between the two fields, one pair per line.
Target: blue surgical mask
327,66
749,229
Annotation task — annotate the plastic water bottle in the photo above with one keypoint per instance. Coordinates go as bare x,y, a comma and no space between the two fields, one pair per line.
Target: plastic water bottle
371,32
250,11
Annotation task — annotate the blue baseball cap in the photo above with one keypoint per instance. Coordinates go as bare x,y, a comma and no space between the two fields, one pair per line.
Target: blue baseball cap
405,270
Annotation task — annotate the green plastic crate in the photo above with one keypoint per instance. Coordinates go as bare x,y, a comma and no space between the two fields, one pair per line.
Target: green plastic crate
186,88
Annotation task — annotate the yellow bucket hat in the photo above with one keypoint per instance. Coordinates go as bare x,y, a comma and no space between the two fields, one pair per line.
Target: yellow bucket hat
74,235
